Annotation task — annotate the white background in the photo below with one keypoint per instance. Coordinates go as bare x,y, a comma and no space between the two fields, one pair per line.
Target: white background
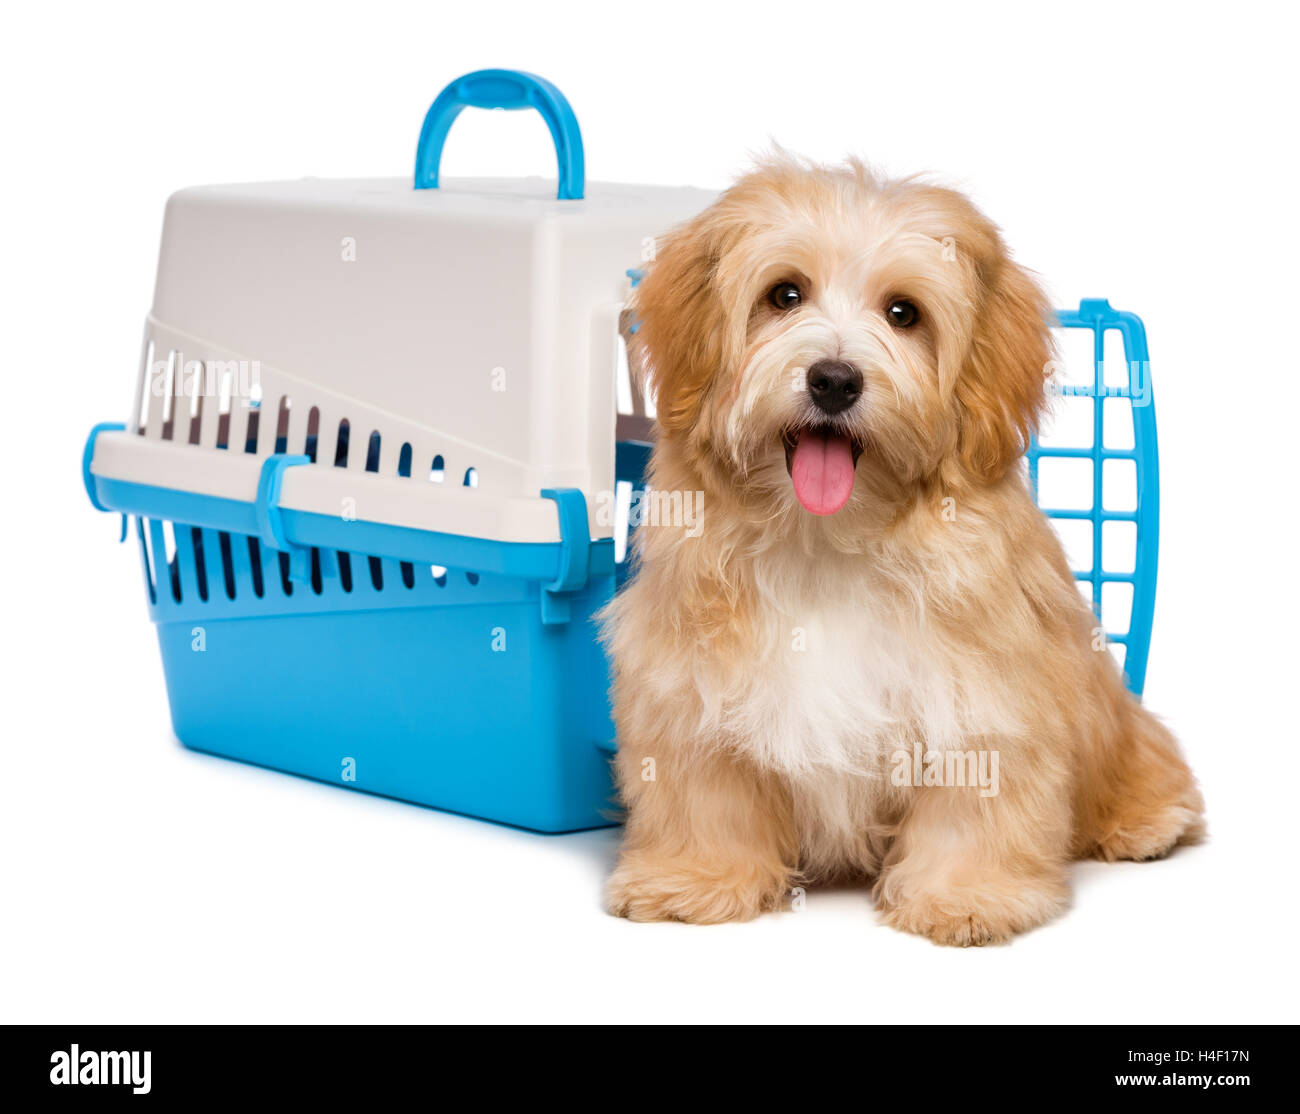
1141,152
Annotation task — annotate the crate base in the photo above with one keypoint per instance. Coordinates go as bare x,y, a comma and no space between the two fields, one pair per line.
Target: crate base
483,711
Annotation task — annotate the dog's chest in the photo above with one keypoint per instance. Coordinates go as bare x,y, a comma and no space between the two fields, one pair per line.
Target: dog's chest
838,682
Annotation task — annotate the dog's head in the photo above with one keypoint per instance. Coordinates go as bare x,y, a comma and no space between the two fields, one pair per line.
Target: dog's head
817,323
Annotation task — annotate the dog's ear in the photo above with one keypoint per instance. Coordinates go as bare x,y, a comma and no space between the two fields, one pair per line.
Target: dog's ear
681,336
1001,390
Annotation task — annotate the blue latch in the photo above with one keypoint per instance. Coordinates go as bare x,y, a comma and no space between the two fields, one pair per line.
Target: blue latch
87,477
270,526
575,553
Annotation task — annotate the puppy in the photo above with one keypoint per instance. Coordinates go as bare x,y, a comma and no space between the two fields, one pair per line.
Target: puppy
848,371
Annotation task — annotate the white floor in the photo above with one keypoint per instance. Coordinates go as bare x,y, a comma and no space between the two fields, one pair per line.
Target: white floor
145,882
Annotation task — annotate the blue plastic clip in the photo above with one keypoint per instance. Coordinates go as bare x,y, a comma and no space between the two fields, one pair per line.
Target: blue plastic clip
636,275
575,553
270,527
87,478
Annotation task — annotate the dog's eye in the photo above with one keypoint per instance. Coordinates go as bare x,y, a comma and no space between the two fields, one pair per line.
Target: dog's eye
784,295
902,313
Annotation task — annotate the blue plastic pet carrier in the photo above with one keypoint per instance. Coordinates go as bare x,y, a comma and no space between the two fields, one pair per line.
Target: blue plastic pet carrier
367,569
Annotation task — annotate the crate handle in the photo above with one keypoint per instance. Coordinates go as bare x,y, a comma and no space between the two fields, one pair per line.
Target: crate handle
512,90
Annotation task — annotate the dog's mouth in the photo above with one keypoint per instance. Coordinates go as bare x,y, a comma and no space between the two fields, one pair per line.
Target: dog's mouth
821,460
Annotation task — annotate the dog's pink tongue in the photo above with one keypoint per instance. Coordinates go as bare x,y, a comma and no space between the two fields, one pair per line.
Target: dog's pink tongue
822,470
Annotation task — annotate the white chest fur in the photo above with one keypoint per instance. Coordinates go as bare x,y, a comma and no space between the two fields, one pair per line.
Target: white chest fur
836,682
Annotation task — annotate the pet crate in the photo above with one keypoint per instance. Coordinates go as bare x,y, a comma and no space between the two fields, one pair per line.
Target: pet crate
369,463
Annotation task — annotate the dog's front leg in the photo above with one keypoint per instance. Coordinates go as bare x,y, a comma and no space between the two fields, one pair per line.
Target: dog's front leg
972,869
709,838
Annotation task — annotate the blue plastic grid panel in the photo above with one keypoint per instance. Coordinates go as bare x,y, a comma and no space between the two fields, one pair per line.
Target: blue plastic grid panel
1110,462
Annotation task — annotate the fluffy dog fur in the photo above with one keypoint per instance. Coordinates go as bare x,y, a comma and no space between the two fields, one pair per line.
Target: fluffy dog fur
771,665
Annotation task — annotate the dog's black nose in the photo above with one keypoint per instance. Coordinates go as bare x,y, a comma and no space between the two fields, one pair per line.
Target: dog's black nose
834,385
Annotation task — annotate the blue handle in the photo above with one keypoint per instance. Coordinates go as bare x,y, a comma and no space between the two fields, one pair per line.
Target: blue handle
509,89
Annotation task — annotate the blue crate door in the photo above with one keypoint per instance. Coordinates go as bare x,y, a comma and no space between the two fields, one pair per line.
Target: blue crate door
1122,459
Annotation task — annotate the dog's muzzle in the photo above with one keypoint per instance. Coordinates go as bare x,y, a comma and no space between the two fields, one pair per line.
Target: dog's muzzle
834,385
820,456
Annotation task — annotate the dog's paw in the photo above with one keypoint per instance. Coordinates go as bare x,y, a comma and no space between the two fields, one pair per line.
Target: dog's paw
674,890
1153,836
975,917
